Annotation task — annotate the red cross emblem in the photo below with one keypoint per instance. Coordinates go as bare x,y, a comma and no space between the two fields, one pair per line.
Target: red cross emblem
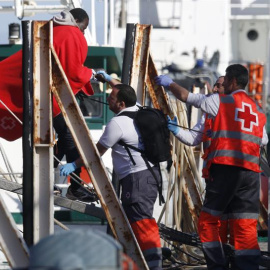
7,123
246,116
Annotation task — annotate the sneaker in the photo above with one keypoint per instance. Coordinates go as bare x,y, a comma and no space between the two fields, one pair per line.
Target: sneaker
81,194
57,190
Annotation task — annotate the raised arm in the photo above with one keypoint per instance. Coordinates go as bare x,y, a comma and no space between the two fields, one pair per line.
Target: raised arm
179,92
108,78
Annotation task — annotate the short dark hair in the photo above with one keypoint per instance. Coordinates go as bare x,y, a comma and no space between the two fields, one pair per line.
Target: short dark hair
239,72
79,14
218,79
127,94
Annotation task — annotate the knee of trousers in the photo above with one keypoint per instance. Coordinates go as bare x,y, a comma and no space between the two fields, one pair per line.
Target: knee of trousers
208,227
245,234
147,233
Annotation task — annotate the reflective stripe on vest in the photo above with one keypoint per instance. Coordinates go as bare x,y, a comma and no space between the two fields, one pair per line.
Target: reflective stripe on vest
237,135
234,154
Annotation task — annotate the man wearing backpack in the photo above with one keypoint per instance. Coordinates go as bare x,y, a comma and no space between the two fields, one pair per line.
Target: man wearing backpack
139,187
233,161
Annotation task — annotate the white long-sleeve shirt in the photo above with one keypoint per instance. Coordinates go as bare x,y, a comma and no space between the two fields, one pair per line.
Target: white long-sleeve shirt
210,104
192,137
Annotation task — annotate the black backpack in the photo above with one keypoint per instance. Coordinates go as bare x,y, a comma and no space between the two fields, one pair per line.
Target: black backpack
152,125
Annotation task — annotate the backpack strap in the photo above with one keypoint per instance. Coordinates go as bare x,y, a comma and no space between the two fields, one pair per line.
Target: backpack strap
130,114
161,198
121,142
127,146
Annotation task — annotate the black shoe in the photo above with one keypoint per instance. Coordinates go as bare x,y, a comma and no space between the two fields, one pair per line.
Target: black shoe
81,194
57,190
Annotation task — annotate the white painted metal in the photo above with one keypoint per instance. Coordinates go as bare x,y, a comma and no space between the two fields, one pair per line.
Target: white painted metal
250,50
93,22
105,23
11,241
111,25
43,138
18,8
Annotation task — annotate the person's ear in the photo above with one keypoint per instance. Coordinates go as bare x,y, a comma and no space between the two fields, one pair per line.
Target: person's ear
122,104
234,83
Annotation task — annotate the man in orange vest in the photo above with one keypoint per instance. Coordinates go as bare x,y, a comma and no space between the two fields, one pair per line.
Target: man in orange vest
238,131
198,134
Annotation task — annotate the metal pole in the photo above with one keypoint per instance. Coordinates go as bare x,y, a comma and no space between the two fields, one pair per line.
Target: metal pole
111,33
123,13
42,132
266,95
128,53
27,73
105,21
93,22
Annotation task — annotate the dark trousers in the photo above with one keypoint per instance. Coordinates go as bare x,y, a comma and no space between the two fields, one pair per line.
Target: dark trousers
139,193
65,146
233,190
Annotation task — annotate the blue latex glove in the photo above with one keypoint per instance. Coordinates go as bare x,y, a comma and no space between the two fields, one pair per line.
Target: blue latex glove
174,129
68,168
163,80
107,77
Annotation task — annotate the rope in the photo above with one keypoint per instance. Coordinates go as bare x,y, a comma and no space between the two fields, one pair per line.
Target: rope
15,116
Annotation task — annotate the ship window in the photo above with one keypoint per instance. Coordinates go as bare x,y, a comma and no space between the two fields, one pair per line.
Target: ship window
252,35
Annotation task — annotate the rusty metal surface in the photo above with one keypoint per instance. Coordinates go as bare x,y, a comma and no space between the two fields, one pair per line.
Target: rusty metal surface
41,83
94,165
43,212
157,93
140,60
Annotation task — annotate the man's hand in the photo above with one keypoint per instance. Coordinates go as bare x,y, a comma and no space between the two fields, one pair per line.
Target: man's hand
68,168
163,80
172,125
102,73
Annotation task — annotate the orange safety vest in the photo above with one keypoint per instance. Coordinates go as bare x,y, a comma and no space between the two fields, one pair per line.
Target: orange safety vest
237,132
206,144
